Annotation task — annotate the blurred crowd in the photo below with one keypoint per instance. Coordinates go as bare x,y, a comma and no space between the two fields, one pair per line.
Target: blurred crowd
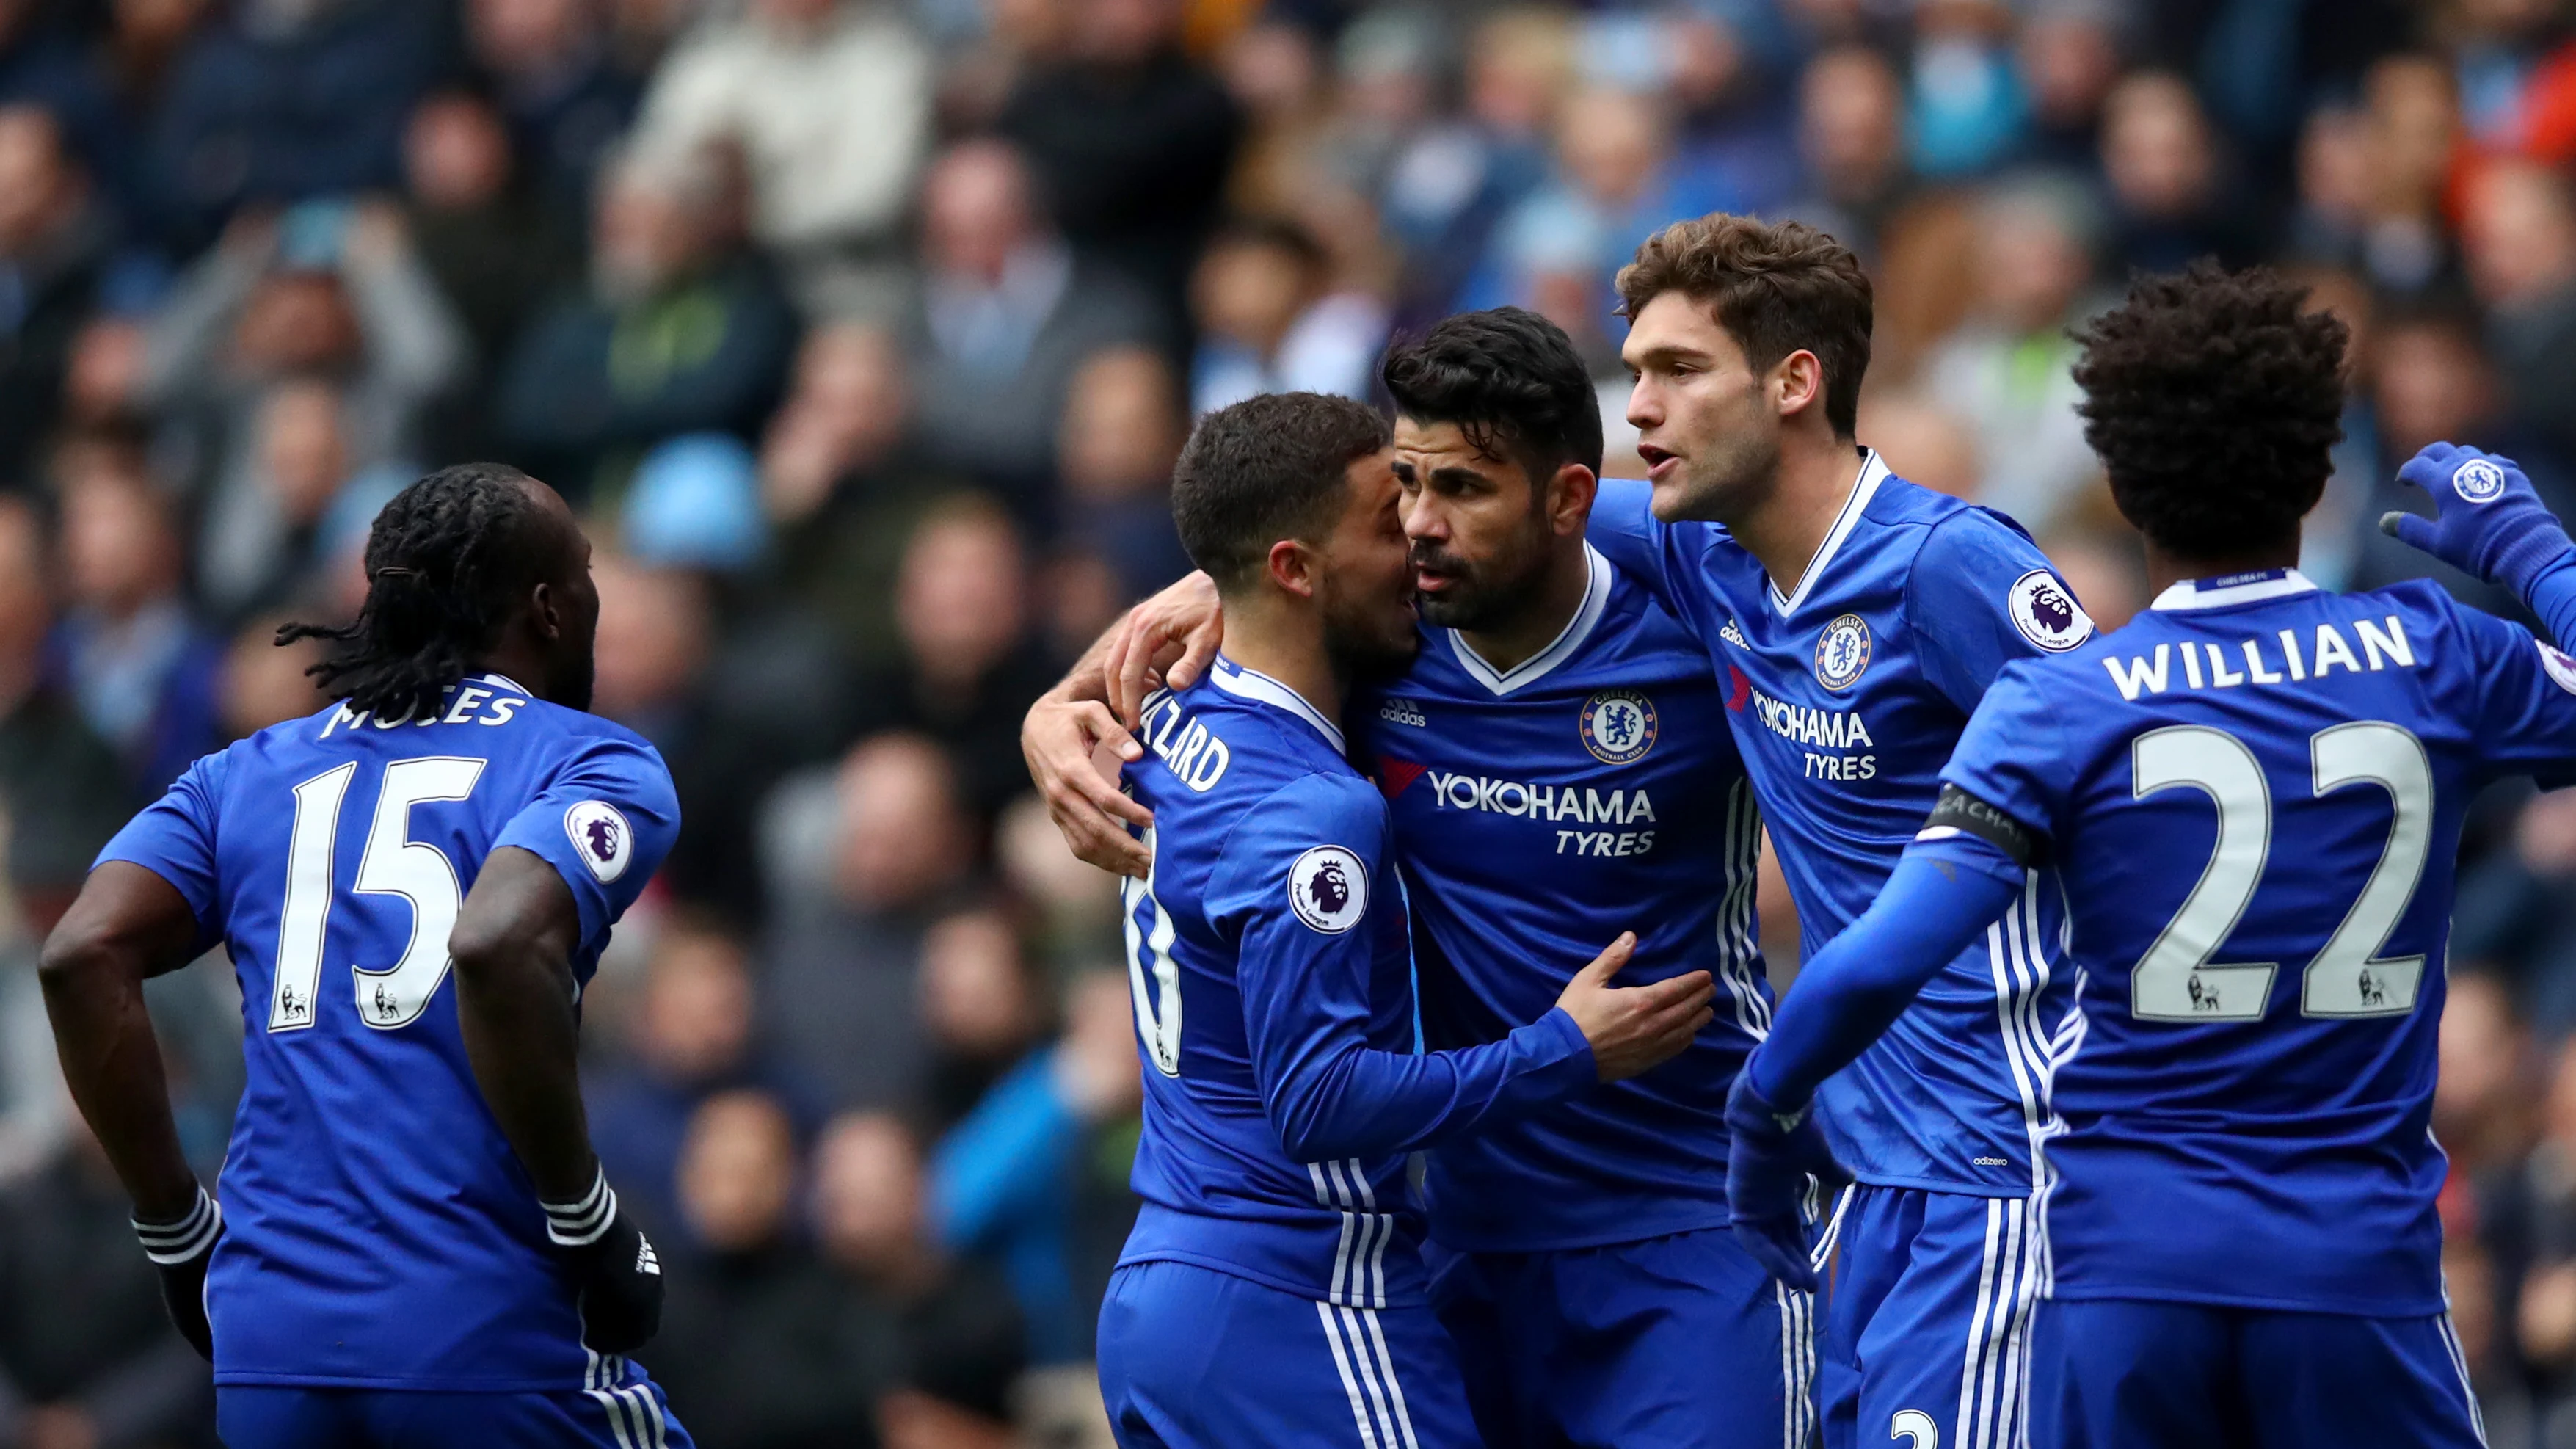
865,334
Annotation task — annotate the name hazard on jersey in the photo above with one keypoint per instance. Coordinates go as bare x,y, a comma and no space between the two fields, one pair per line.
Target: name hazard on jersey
1555,804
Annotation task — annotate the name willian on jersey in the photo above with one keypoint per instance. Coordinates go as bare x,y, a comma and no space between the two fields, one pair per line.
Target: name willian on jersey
2282,657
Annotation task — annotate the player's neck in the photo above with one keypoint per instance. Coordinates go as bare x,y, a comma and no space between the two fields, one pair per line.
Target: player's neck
1543,616
1267,637
1785,529
513,660
2164,570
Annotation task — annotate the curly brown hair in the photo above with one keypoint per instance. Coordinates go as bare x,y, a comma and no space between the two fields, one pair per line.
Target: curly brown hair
1776,287
2214,399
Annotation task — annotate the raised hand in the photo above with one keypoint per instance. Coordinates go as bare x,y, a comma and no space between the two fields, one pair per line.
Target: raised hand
2489,521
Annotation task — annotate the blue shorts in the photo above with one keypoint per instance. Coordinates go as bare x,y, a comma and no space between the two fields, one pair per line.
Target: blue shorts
1678,1342
1927,1299
2112,1373
625,1410
1191,1358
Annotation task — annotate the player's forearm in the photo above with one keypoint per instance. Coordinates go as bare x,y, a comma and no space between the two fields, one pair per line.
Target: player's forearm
514,1004
1363,1103
2552,600
111,1060
1941,896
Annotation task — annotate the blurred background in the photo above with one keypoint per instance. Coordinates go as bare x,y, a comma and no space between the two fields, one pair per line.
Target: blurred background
864,334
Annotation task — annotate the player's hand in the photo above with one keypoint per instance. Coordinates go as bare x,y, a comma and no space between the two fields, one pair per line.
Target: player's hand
1165,642
1769,1157
180,1252
619,1275
1059,739
1633,1028
2490,523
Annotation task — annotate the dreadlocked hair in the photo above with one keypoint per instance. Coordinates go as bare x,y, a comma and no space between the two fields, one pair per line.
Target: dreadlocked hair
446,560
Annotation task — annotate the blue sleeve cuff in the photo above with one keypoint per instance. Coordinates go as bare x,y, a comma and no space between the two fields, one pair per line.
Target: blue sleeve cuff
1564,1059
2552,599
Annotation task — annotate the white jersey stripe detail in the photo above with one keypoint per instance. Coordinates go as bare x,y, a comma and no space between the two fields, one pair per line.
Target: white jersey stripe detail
1385,1231
2460,1362
1350,1386
1962,1430
661,1430
1832,1236
1368,1375
616,1411
1395,1390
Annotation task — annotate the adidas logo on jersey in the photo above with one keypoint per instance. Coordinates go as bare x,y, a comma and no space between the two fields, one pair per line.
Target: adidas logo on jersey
1403,712
646,1261
1729,633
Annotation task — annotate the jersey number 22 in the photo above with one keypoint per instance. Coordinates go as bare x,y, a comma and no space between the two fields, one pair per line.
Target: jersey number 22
2175,980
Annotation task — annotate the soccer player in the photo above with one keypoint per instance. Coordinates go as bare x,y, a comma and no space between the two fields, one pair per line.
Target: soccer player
1856,620
1557,762
414,1244
2253,794
1272,1291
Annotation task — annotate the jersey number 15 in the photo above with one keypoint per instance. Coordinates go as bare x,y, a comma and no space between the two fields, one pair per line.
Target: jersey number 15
393,864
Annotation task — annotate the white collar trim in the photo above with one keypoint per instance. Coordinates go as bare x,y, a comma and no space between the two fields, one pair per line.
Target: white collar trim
1873,471
1596,599
1252,684
2220,592
496,677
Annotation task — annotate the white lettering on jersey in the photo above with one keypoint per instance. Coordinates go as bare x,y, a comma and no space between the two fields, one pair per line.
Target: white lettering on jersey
1552,803
1196,755
1838,729
2215,666
1402,712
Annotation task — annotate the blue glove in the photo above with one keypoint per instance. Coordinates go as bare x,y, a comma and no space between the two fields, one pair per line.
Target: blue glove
1769,1157
2491,523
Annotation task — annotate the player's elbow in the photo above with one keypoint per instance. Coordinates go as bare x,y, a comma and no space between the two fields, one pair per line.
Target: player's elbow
1310,1130
76,952
481,950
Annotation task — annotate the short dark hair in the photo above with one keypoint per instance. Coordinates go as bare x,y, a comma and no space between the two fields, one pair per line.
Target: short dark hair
1512,382
447,560
1264,469
1775,286
2214,400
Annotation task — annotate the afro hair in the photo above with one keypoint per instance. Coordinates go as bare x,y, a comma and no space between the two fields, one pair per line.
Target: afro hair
2214,400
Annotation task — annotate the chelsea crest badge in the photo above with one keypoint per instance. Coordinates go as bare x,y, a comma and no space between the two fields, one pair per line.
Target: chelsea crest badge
1618,725
1843,652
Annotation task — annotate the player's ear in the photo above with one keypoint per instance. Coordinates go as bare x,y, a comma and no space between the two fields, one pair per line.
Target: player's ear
1569,498
1291,566
545,612
1797,383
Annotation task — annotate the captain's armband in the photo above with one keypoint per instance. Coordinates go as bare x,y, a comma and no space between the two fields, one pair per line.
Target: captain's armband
1960,813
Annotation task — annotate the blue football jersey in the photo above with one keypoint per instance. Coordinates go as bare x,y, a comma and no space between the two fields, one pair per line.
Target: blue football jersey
1846,699
2253,794
1268,954
1540,811
378,1229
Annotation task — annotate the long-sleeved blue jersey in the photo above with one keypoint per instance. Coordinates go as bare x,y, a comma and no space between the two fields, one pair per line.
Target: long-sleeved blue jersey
2254,795
1846,698
1274,1009
1539,811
